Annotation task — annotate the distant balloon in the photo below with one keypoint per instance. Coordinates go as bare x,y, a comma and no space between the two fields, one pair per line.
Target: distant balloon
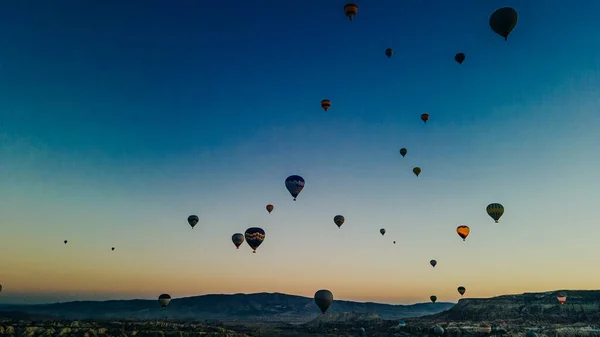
433,298
362,331
294,185
503,21
382,231
463,231
562,298
394,242
270,208
389,52
460,58
531,334
65,242
433,263
402,324
403,152
237,239
255,237
113,248
164,300
323,299
193,220
425,117
417,171
339,220
485,328
325,104
438,331
350,10
0,288
461,290
495,211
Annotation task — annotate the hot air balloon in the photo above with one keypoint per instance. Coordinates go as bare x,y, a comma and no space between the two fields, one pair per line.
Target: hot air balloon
350,10
193,220
323,299
325,104
382,231
484,328
531,334
562,298
362,331
389,52
401,324
65,242
425,117
463,231
164,300
339,220
495,211
237,239
438,331
433,263
0,288
460,58
254,237
294,185
433,298
403,152
503,21
417,171
394,242
461,290
113,248
270,208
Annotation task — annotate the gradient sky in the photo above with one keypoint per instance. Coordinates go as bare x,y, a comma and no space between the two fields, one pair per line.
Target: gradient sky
118,120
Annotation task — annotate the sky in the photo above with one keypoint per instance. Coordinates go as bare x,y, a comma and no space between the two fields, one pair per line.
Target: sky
118,120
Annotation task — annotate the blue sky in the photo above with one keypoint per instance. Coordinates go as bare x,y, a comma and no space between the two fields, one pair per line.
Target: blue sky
119,120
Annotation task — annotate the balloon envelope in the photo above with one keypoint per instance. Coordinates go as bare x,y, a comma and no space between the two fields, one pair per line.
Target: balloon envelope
237,239
325,104
339,220
350,10
254,237
503,21
461,290
403,152
164,300
433,263
495,211
433,298
193,220
294,185
463,231
270,208
323,299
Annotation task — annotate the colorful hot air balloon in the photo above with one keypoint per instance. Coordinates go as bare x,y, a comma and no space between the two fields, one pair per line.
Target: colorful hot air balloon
325,104
461,290
350,10
484,328
254,237
382,231
433,298
270,208
495,211
417,171
339,220
425,117
438,331
460,58
503,21
164,300
323,299
562,298
193,220
237,239
389,52
463,231
294,185
65,242
433,263
403,152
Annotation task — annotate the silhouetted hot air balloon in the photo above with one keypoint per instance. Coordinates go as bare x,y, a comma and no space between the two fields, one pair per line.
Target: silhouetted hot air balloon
254,237
237,239
438,331
270,208
394,242
403,152
463,231
484,328
193,220
460,58
323,299
65,242
503,21
339,220
294,185
389,52
425,117
417,171
461,290
495,211
113,248
433,263
433,298
382,231
562,298
350,10
164,300
531,334
325,104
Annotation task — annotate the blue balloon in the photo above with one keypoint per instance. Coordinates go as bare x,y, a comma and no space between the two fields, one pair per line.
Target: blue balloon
294,185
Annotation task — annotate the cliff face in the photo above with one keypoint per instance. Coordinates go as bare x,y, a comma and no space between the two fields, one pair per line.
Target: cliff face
582,306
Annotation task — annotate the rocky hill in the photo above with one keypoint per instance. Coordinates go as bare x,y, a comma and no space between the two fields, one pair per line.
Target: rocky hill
261,306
